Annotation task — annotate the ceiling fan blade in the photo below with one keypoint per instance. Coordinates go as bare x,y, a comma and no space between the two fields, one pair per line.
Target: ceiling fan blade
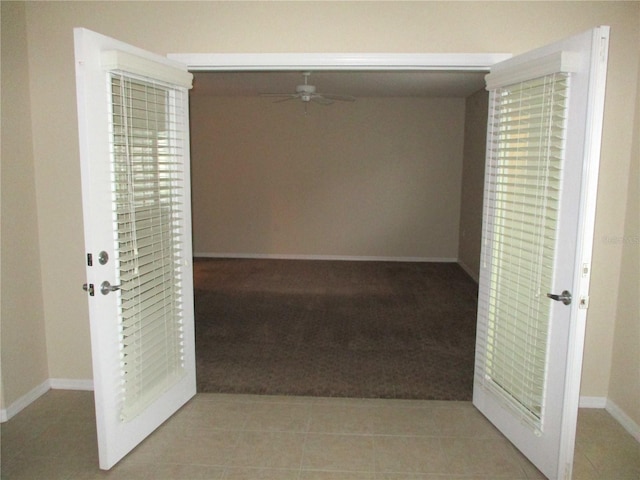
340,98
286,99
281,95
321,100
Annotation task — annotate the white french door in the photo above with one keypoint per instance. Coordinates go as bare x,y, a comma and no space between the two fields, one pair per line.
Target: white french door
134,154
543,144
544,429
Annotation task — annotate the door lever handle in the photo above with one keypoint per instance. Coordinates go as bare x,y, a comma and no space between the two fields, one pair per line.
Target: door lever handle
564,297
106,287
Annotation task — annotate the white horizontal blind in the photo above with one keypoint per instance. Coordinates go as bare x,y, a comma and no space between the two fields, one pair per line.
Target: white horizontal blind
146,134
522,186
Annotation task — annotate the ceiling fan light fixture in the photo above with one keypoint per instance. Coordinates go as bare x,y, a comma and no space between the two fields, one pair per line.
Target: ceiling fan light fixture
307,93
308,89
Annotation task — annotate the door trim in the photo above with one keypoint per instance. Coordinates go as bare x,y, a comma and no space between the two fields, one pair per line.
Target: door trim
339,61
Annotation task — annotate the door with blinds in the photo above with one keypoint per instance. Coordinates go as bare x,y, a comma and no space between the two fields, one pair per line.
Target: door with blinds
543,144
134,154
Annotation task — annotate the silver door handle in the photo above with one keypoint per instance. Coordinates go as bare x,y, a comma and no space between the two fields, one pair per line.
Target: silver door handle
106,287
564,297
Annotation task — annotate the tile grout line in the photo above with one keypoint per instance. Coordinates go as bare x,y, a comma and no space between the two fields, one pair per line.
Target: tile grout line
229,463
304,443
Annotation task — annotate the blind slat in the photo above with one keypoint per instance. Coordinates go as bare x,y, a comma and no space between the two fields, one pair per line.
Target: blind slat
146,130
523,184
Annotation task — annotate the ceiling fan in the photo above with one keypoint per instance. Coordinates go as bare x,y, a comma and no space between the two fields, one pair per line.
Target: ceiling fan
307,93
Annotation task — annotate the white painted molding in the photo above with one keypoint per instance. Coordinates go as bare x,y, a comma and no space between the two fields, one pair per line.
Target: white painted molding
351,258
508,74
338,61
31,396
128,62
71,384
24,401
616,412
593,402
623,419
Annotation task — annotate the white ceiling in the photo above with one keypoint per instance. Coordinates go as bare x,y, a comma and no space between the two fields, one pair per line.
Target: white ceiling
355,83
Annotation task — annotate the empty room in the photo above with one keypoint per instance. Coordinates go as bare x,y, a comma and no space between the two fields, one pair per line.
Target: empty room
337,239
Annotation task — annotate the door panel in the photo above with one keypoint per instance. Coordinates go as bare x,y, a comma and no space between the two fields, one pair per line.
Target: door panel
134,154
537,237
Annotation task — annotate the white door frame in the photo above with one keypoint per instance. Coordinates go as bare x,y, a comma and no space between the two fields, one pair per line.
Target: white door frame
198,62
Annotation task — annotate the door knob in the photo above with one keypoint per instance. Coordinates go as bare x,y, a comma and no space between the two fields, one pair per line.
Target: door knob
106,287
564,297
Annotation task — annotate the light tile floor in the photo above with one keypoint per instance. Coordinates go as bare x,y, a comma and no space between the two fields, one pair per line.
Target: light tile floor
219,436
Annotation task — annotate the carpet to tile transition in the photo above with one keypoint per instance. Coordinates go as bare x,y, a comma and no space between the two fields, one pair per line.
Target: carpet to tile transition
334,328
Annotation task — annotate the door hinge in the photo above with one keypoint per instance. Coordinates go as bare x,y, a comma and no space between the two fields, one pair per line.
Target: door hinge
585,270
90,259
603,48
584,302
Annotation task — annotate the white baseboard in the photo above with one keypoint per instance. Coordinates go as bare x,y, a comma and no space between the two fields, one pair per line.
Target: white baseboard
616,412
352,258
623,419
35,393
593,402
24,401
71,384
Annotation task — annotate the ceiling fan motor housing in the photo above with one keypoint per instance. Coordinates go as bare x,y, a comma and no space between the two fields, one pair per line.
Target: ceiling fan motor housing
306,92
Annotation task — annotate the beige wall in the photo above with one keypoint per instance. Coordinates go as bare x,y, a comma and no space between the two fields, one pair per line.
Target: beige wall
164,27
624,386
475,140
374,178
24,354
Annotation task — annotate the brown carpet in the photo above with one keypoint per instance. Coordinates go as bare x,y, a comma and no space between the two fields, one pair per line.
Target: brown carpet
334,328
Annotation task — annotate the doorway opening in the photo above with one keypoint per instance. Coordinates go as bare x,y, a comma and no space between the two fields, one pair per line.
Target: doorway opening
433,307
